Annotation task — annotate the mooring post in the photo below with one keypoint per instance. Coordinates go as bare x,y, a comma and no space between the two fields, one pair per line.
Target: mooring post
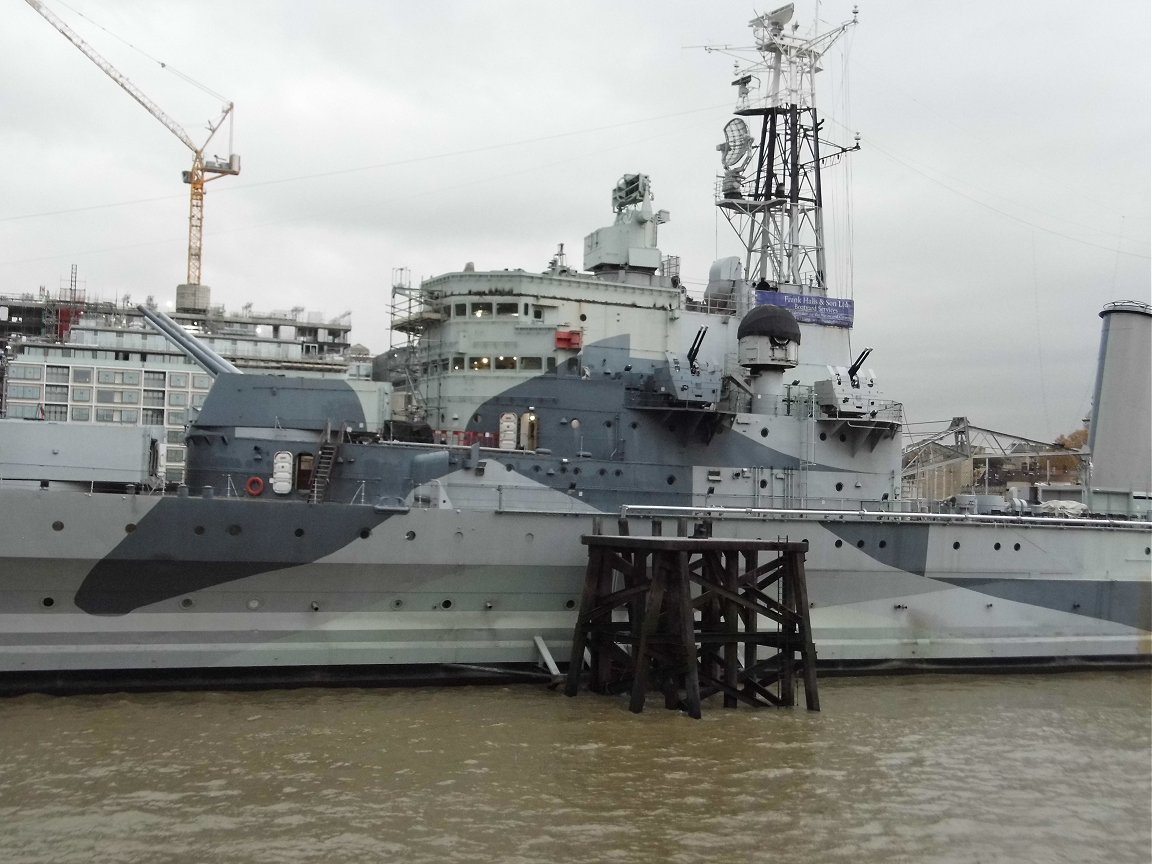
645,629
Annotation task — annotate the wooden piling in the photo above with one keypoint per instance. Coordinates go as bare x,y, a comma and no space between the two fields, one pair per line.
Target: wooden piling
687,620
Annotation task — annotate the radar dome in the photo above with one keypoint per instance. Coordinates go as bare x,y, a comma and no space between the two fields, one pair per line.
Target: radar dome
774,322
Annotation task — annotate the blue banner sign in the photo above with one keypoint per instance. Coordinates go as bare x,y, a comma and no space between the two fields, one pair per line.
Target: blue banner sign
811,308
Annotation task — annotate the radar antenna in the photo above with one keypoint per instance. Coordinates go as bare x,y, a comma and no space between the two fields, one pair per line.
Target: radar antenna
776,211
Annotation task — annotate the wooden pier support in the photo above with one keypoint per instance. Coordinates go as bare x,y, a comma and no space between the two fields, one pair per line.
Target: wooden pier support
683,615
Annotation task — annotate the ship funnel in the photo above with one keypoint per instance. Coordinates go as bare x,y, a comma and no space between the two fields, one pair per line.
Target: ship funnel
1121,424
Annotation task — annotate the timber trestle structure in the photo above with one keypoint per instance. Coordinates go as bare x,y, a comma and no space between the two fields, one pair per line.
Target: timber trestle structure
685,615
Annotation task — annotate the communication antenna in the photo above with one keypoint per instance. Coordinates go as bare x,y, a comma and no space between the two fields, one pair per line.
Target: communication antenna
776,210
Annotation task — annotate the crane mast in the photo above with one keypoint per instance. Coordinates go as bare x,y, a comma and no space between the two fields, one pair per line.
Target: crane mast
202,170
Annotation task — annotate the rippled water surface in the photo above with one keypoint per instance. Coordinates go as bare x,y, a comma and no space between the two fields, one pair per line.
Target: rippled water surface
1044,768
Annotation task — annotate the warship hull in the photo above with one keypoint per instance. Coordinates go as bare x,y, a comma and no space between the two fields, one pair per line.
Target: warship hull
115,584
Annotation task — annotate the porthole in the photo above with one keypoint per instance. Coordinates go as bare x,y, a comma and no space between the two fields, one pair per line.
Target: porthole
48,602
996,546
57,525
397,603
563,469
839,543
618,472
575,470
763,484
1016,547
536,469
130,527
445,604
1148,550
186,603
475,418
607,424
234,530
823,436
199,529
602,472
671,479
365,533
839,487
882,544
509,467
859,544
956,545
764,432
410,535
583,317
299,532
843,437
570,604
635,425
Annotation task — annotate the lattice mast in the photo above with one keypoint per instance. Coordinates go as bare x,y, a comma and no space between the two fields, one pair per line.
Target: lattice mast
770,190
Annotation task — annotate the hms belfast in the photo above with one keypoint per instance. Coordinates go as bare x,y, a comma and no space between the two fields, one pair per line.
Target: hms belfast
328,529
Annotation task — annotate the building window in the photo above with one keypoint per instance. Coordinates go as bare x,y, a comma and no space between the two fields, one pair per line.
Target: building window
81,394
23,391
479,364
132,378
26,373
461,310
56,392
531,363
153,379
176,418
153,416
178,379
82,413
508,309
82,376
56,374
503,362
26,412
153,397
58,413
178,399
105,376
458,362
202,382
174,455
107,397
105,415
481,310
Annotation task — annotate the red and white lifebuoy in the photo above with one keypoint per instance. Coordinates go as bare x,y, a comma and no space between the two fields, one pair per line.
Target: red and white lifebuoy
254,487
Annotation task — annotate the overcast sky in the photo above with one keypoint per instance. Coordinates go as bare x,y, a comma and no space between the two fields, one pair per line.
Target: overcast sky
1000,197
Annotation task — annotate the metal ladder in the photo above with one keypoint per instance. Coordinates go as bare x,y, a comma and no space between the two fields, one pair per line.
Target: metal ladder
322,470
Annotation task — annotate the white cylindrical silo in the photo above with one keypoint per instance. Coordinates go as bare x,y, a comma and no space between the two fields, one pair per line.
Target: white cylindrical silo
1120,434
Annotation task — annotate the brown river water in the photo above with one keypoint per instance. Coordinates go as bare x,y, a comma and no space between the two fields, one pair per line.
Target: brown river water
926,768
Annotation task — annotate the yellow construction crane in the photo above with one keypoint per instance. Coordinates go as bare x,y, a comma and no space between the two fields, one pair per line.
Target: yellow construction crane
202,171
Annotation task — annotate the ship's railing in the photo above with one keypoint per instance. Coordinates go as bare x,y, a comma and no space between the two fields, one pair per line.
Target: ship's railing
742,513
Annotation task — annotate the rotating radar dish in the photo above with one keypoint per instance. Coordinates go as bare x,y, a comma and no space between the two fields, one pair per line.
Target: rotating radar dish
737,146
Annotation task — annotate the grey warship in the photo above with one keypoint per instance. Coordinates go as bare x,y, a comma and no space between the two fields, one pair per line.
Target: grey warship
326,526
